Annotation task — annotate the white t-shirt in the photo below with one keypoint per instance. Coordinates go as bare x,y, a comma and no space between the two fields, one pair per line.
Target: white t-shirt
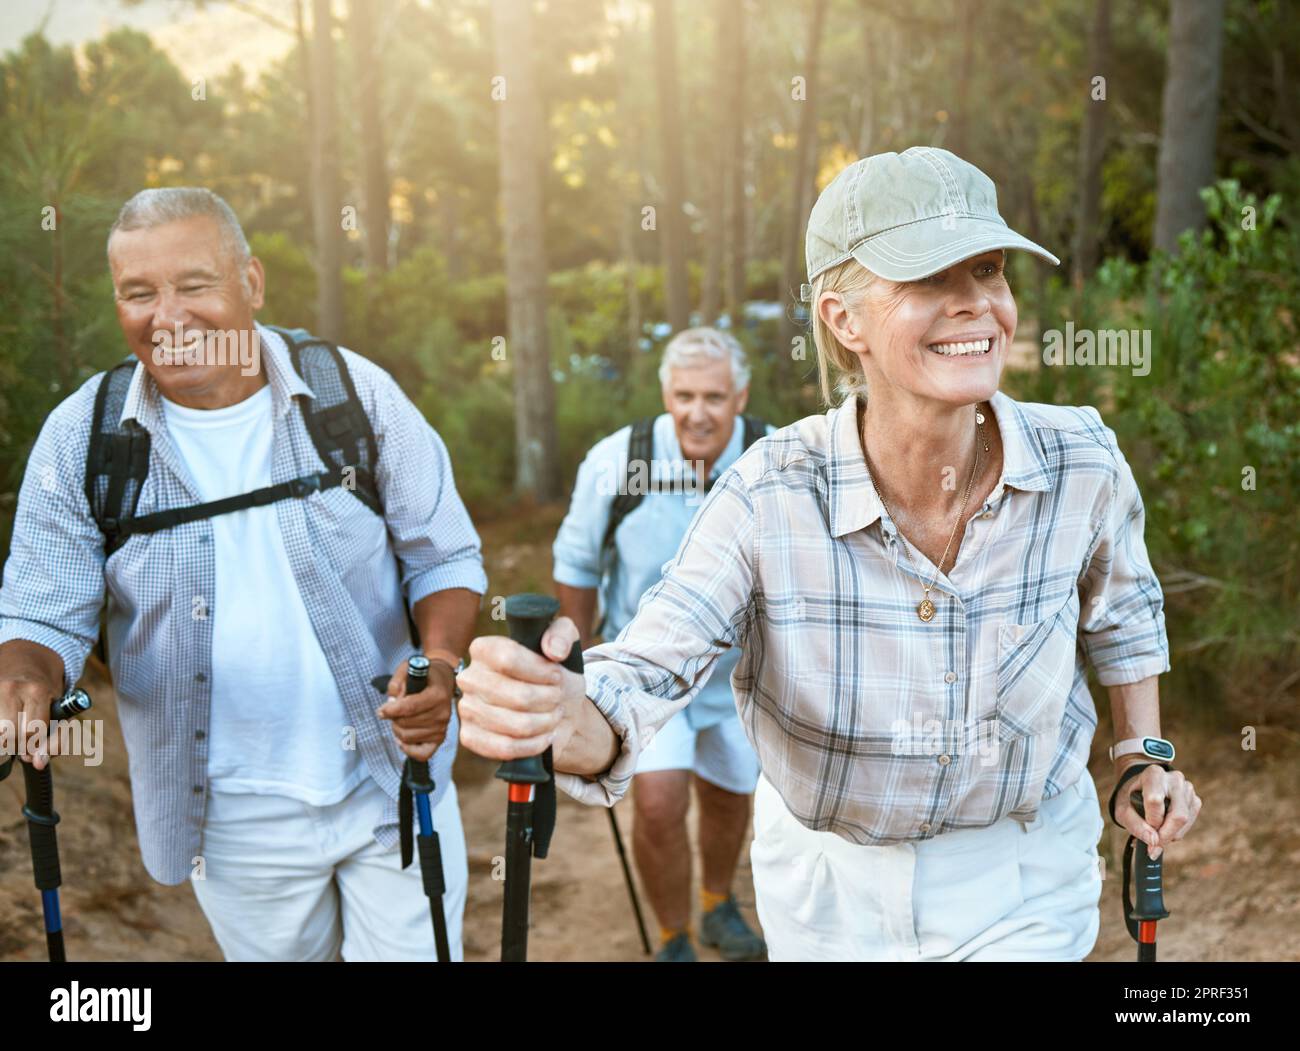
277,723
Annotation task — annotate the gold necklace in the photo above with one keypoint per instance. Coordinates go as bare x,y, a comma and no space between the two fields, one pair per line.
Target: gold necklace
925,608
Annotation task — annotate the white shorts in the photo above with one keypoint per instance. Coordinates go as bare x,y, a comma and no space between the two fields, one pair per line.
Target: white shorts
721,753
1011,891
288,881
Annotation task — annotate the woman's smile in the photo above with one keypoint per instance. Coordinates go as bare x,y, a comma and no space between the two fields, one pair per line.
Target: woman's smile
966,346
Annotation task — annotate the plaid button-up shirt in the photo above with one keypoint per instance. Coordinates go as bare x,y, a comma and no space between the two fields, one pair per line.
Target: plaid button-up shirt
161,587
869,722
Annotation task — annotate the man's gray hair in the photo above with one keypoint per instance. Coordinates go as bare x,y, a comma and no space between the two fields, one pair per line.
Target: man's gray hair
169,204
693,347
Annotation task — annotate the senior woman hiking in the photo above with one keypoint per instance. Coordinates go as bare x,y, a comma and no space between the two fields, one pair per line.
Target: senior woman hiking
916,578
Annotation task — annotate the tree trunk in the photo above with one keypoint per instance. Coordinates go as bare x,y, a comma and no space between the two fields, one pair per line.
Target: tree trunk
1092,148
733,20
627,213
868,78
519,121
962,99
715,177
326,196
805,168
1030,196
1188,119
303,163
671,219
627,245
374,174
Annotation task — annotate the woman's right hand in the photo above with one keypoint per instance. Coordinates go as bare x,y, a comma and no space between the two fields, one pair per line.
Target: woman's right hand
515,703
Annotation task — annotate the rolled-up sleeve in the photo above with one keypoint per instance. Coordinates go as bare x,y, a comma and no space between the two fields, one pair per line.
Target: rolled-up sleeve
576,553
665,655
1121,617
432,535
53,583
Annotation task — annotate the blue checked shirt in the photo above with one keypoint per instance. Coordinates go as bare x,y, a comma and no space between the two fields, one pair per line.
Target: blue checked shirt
643,542
870,723
344,557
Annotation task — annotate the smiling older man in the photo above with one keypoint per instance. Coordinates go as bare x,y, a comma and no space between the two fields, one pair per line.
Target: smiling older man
266,545
636,494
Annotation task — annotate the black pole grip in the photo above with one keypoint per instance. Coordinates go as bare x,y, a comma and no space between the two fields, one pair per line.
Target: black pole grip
527,618
417,678
417,673
1148,874
41,819
544,816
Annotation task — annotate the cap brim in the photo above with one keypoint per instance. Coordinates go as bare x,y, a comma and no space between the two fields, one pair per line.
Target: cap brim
917,250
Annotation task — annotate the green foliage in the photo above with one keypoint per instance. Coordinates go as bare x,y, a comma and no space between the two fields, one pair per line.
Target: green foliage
290,280
81,132
1212,431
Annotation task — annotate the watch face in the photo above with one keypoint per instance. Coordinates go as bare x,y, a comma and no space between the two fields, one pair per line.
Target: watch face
1158,749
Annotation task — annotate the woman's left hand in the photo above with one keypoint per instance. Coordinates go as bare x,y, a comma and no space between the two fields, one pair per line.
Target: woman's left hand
1162,824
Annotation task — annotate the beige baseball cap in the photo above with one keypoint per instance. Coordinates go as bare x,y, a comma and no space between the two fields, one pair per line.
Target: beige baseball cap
908,215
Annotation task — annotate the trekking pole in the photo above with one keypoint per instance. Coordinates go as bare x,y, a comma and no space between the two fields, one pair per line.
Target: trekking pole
417,784
631,887
41,819
531,782
1141,919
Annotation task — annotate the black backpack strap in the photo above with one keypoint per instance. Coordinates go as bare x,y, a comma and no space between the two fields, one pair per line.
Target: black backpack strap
640,450
754,430
335,418
294,488
339,427
117,458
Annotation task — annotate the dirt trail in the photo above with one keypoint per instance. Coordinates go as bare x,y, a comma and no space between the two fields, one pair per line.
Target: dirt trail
1233,885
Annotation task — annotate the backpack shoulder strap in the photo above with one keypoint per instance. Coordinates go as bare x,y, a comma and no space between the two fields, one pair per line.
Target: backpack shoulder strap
117,457
754,430
335,417
640,450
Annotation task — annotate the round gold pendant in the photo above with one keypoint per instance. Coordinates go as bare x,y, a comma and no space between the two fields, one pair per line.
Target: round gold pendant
925,610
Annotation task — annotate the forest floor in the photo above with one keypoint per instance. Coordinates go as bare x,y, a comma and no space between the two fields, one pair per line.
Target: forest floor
1233,886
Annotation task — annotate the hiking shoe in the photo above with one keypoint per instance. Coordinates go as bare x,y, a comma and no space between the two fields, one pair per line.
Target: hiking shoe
725,929
677,949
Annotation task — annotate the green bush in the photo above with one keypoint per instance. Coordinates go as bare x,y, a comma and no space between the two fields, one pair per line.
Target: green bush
1211,431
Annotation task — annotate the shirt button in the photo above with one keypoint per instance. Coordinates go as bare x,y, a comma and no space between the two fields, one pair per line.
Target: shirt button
200,677
198,790
925,826
950,676
199,735
944,760
987,514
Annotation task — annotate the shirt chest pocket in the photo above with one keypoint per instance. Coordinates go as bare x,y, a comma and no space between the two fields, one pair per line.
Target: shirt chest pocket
1035,670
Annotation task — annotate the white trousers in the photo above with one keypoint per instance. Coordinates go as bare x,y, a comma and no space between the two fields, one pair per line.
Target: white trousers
288,881
1011,891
